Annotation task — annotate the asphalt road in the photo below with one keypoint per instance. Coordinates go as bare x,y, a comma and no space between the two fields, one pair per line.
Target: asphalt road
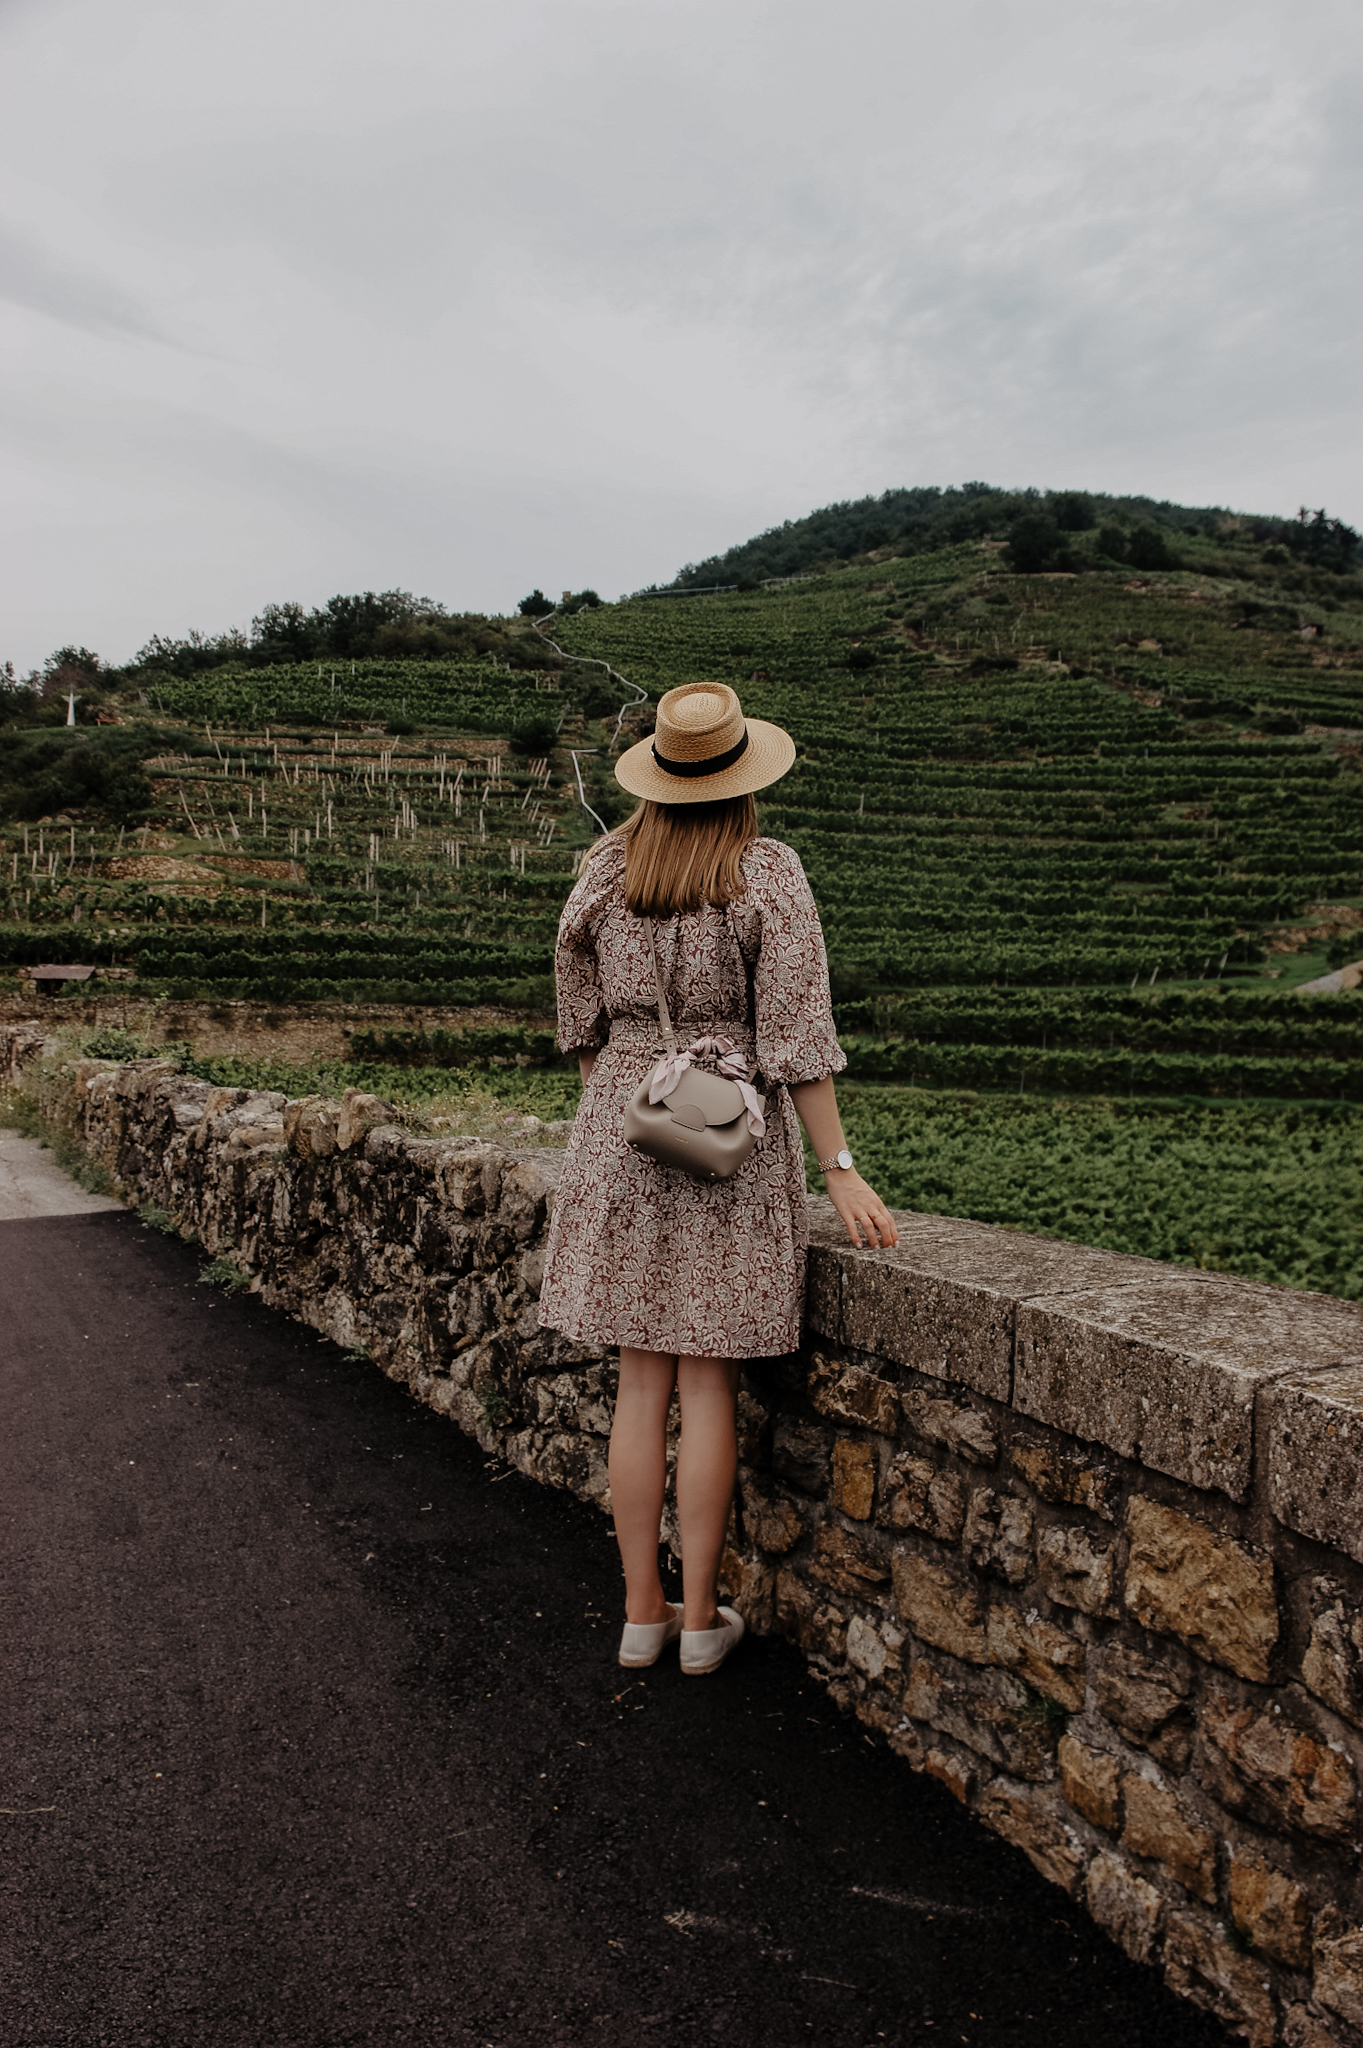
315,1737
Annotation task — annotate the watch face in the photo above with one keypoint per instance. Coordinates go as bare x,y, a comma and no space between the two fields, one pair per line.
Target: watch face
844,1159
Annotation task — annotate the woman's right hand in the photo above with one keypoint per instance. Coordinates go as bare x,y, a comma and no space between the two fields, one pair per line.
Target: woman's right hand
860,1208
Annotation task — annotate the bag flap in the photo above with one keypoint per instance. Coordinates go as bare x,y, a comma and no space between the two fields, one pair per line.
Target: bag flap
716,1100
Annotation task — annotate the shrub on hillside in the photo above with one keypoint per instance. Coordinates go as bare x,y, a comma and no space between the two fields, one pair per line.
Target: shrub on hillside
1073,511
536,734
388,624
1037,544
1148,548
46,771
1327,543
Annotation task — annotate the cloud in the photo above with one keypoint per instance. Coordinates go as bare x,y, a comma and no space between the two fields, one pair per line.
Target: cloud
468,298
45,282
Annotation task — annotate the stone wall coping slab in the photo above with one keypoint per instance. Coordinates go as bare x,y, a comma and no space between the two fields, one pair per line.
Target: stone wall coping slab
1313,1425
1166,1370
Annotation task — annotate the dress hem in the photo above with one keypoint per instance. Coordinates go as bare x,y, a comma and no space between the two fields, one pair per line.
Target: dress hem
782,1347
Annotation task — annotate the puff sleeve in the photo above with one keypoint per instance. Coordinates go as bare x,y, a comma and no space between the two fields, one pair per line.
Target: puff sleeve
796,1040
583,1025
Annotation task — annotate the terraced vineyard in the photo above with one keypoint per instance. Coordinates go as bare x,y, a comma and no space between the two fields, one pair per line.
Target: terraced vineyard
1075,838
301,864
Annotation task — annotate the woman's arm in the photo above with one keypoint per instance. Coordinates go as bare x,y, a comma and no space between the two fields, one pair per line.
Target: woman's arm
586,1060
860,1207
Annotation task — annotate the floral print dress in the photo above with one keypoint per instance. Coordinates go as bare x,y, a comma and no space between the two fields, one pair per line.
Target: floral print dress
639,1253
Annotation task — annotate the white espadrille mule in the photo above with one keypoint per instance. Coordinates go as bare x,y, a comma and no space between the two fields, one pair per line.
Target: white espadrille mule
704,1649
643,1642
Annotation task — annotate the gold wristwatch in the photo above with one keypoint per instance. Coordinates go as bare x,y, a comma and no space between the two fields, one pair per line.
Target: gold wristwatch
841,1159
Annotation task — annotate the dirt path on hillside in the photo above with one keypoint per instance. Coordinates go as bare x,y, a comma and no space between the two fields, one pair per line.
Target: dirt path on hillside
316,1739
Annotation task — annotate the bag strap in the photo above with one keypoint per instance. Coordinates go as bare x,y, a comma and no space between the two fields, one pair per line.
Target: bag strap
664,1014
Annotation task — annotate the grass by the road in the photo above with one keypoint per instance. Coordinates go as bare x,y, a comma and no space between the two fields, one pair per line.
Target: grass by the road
1271,1191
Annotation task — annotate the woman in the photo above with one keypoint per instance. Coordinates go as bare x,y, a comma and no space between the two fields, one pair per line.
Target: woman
689,1278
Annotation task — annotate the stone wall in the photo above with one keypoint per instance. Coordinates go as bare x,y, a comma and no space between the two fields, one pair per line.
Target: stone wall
1079,1535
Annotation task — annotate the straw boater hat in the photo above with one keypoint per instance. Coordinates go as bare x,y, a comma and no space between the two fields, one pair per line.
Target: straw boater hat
703,749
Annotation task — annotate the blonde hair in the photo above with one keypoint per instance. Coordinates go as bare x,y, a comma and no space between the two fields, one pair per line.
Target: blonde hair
678,856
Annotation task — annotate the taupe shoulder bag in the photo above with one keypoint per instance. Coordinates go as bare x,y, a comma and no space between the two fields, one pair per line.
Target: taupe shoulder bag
705,1124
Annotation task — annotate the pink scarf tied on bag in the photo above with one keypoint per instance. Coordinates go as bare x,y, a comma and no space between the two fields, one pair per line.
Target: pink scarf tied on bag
730,1064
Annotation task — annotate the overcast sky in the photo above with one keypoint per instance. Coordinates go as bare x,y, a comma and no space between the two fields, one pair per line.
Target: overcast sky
302,296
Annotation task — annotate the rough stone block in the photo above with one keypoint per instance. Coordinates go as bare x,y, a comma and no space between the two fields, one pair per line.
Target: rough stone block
918,1495
1184,1580
750,1586
854,1478
1273,1768
310,1127
1315,1450
1146,1698
1164,1368
212,1128
957,1425
754,1418
1091,1780
986,1714
906,1742
262,1136
800,1454
1023,1816
875,1709
998,1535
941,1606
1201,1965
1304,2029
1066,1478
1333,1663
770,1521
1050,1661
468,1173
578,1464
1076,1571
387,1148
1158,1827
874,1650
819,1629
846,1562
1338,1983
185,1101
359,1115
958,1777
1271,1911
1124,1905
520,1197
848,1393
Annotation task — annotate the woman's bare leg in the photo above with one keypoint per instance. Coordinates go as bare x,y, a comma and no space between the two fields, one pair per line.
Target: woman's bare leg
707,1464
638,1474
